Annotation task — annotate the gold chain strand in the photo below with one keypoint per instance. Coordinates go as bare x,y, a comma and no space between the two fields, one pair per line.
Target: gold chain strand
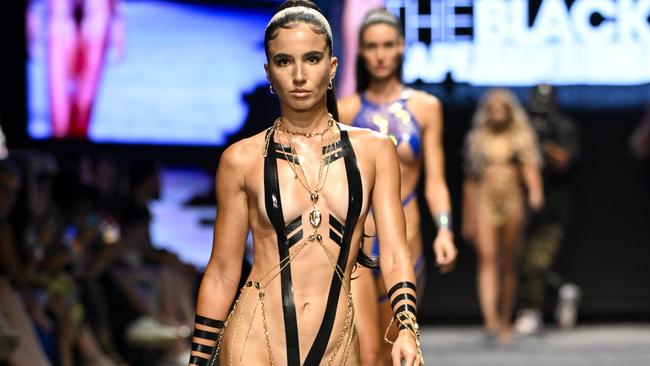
347,332
305,134
321,180
413,328
234,336
248,332
266,330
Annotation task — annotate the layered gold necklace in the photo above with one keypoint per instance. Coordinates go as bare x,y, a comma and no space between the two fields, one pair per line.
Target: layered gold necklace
300,174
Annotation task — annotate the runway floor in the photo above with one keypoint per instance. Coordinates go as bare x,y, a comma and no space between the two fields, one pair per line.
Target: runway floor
592,345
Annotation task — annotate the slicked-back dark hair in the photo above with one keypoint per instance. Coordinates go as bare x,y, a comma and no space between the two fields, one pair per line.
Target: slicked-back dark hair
286,22
376,16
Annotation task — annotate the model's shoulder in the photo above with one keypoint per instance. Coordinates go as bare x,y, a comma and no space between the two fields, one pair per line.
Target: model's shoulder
244,150
424,99
366,137
348,107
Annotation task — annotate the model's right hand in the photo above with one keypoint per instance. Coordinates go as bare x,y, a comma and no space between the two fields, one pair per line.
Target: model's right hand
405,348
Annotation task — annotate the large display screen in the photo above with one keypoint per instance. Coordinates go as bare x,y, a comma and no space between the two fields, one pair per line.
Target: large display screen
525,42
146,72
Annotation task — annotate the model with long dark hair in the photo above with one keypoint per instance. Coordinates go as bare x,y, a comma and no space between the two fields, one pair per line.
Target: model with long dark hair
413,122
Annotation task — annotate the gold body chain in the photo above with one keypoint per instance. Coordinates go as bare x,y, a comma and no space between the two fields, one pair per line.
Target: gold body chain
346,336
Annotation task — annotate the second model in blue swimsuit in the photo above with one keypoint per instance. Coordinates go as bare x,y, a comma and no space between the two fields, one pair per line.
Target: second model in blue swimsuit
399,124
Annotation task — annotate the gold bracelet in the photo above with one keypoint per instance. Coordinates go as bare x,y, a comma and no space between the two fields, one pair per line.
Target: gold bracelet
409,321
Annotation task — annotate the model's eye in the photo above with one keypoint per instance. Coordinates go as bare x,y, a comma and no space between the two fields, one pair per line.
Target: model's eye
282,62
313,59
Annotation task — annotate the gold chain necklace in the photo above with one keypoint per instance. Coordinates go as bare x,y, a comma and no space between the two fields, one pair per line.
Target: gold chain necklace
315,214
305,134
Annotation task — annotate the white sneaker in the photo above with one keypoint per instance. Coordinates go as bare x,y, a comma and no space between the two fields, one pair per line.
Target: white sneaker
566,312
146,331
529,322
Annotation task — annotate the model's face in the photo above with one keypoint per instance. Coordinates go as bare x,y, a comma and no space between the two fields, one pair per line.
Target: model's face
381,47
300,66
498,112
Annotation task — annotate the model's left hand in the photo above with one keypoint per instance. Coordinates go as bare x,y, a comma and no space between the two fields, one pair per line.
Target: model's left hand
445,251
405,349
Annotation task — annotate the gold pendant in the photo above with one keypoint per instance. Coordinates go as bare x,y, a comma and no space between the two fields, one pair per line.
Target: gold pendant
315,217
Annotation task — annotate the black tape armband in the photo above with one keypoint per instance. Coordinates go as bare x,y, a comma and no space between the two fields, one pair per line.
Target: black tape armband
208,336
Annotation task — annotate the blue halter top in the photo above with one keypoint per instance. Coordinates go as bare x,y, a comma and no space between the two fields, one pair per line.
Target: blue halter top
392,119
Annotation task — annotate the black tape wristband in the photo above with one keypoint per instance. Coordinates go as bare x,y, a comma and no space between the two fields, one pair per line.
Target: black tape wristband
202,348
208,322
204,334
405,307
199,361
400,285
401,297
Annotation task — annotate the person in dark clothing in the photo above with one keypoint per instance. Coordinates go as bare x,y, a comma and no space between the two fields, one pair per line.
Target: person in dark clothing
560,147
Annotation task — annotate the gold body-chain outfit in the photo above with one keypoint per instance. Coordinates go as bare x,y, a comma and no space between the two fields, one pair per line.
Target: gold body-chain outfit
237,334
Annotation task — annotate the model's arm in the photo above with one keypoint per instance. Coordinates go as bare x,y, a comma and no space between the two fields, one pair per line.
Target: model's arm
221,277
435,189
533,182
395,260
530,166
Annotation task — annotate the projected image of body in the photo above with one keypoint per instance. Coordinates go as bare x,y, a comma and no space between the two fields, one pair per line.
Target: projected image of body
166,85
78,34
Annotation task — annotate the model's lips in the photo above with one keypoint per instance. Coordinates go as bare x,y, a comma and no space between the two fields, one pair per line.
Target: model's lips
300,92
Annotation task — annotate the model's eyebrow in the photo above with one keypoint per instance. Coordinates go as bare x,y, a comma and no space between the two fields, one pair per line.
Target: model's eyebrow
313,53
281,56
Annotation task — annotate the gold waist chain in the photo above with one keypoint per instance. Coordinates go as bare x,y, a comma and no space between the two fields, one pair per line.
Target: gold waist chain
345,338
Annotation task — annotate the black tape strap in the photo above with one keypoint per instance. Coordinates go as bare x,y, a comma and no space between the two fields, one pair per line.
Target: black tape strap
199,361
355,198
273,205
403,308
400,285
202,348
204,334
208,322
406,307
294,239
403,296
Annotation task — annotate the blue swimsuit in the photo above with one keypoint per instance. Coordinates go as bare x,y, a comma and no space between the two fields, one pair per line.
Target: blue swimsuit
395,120
392,119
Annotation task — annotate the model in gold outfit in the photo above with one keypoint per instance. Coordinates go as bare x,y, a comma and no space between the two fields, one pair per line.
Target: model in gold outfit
503,177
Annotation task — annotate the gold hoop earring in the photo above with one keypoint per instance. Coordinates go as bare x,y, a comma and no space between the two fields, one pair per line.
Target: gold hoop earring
271,89
330,86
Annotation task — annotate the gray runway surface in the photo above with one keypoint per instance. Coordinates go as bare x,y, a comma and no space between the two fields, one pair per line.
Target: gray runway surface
595,345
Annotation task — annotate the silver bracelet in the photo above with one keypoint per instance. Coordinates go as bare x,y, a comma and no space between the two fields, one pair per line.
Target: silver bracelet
443,220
